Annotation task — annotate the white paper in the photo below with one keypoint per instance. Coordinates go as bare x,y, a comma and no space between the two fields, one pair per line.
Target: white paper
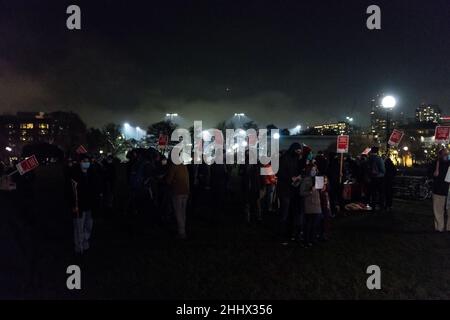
319,183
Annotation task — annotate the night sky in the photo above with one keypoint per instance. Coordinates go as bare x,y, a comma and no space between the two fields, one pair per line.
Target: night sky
282,62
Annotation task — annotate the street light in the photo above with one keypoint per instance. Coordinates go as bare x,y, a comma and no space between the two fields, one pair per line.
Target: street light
9,149
171,115
388,103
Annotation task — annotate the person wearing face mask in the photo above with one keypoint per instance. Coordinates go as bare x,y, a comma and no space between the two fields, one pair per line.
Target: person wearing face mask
311,202
438,171
82,202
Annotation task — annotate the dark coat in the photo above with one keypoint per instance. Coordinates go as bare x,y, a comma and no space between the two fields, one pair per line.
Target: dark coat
440,187
289,167
85,191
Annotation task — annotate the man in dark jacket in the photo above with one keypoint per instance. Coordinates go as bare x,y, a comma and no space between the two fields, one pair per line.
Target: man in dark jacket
83,200
288,191
391,172
376,185
438,171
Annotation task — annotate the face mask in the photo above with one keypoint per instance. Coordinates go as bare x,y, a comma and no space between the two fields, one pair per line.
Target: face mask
85,165
164,162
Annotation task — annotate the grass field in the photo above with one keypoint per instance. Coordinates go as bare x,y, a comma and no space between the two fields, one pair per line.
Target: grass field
134,258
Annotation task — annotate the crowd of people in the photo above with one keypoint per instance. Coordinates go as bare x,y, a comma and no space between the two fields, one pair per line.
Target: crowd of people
306,193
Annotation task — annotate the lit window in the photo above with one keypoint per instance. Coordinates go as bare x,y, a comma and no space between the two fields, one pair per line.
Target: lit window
43,125
26,126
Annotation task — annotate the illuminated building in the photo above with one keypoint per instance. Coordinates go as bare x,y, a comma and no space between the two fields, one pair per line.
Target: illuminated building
428,114
332,129
60,128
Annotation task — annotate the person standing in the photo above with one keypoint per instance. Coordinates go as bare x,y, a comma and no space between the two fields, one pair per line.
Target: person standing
335,187
391,172
178,181
289,177
312,207
377,172
83,201
438,172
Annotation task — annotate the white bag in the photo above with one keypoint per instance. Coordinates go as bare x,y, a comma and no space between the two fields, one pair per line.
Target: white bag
447,176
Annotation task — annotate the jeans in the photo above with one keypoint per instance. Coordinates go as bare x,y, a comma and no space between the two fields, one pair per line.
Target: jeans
82,230
268,197
179,205
291,217
311,223
376,192
439,204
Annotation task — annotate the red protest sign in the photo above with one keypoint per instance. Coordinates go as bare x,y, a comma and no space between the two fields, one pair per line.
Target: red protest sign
81,149
163,139
27,165
342,144
442,133
395,138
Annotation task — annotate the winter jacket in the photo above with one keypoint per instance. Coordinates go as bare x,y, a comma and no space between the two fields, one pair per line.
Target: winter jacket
85,192
440,187
310,196
178,179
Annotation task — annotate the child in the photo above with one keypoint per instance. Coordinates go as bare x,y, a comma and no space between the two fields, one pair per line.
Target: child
311,204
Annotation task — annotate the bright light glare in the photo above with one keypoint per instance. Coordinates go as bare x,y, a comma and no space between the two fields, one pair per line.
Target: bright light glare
206,135
276,135
8,149
388,102
244,143
405,148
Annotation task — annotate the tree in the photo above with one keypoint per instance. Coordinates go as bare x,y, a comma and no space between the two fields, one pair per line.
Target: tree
96,140
250,125
162,127
68,130
42,151
115,142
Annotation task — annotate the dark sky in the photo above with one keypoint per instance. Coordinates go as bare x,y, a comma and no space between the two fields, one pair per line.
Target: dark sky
285,62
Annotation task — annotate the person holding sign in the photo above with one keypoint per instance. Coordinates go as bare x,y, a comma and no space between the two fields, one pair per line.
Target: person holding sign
438,172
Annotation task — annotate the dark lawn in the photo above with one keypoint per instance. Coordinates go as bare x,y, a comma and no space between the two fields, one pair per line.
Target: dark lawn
135,258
